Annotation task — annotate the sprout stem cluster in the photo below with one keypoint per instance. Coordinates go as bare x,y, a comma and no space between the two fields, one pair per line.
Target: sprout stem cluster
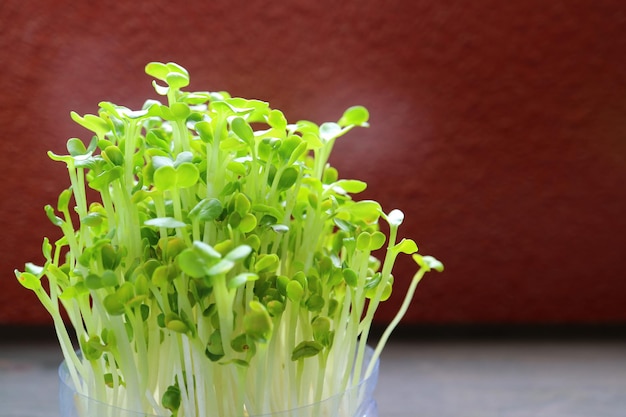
225,269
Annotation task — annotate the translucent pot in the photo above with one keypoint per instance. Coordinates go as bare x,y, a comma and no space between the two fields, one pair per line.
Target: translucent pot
357,401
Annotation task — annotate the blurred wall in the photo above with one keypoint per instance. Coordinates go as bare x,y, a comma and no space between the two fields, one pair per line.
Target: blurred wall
498,127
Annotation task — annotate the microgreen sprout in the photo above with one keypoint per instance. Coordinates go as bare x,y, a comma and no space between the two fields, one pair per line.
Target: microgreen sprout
225,269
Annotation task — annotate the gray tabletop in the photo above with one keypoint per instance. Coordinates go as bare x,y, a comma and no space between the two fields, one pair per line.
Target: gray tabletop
427,379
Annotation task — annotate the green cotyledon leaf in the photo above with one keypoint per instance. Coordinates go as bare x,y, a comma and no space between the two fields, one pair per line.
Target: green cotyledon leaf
207,209
168,177
91,122
28,280
306,349
192,264
243,130
407,246
367,211
428,262
355,115
257,322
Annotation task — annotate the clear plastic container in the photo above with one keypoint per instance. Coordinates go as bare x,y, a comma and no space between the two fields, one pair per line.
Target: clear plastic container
356,402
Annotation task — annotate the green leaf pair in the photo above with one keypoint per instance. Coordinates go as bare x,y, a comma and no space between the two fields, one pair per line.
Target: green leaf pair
169,177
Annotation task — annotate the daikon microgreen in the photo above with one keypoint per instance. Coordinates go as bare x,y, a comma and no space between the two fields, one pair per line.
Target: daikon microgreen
225,269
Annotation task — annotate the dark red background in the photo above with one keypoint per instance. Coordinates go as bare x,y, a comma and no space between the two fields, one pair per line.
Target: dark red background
498,127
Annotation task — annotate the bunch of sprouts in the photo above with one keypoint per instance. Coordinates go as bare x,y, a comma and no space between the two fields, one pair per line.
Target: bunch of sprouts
226,269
